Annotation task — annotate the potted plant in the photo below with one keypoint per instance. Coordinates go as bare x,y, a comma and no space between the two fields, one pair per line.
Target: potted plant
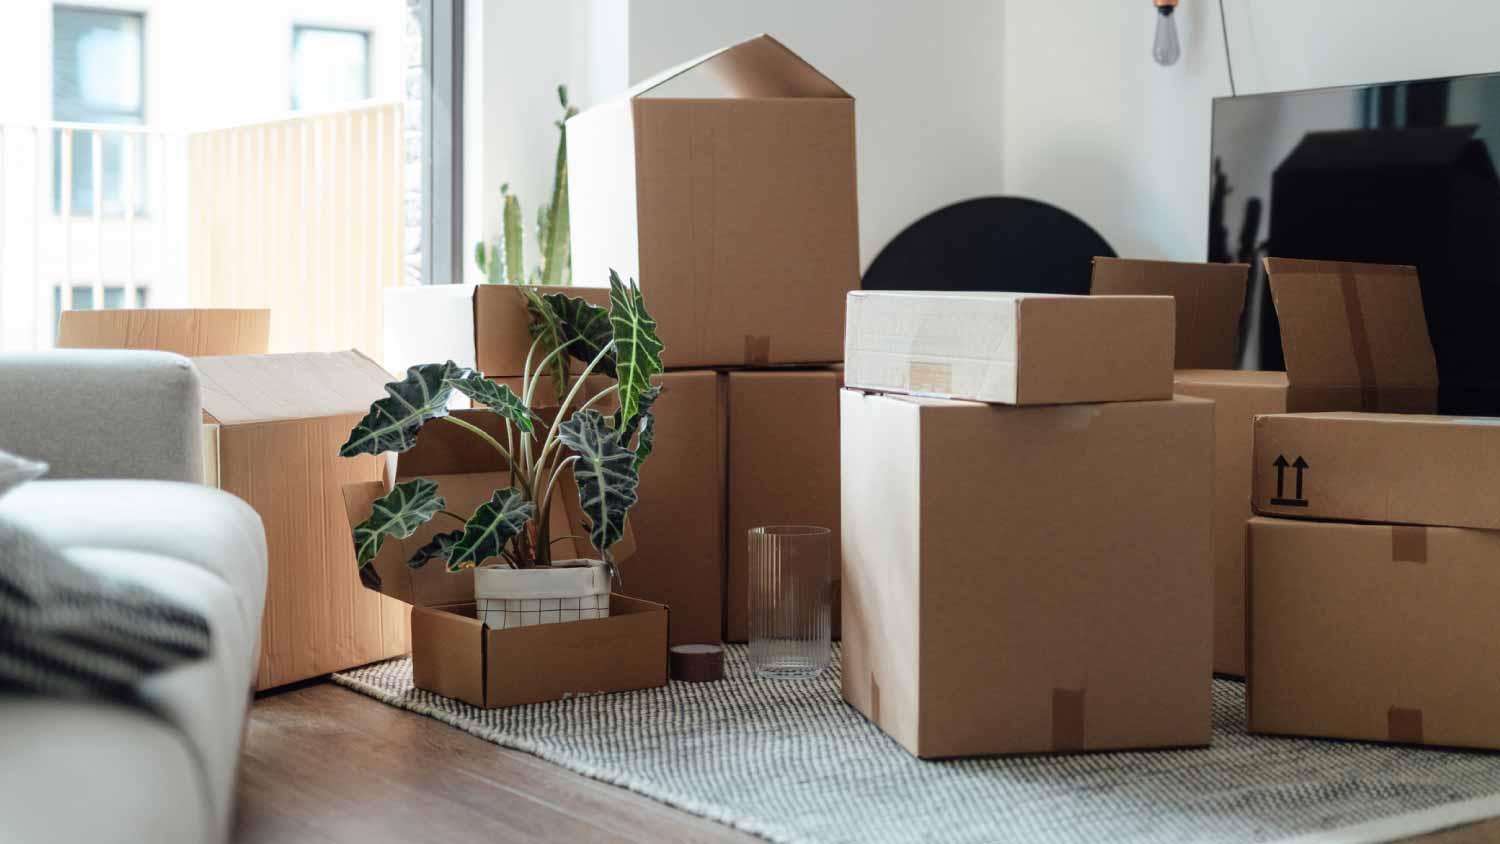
508,539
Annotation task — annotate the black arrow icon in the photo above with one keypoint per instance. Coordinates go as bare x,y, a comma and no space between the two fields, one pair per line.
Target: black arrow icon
1281,466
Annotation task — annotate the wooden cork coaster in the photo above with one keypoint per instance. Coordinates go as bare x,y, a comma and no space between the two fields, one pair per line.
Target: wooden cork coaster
697,663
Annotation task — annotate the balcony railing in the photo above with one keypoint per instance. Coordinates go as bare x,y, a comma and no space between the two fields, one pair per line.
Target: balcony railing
300,214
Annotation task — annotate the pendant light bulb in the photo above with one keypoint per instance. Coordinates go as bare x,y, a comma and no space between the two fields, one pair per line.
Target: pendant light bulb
1166,49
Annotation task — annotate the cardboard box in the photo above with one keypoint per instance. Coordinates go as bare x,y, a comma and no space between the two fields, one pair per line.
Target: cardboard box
1011,348
727,187
1209,299
502,324
1374,632
1379,467
455,655
277,422
1023,580
1337,320
193,332
783,469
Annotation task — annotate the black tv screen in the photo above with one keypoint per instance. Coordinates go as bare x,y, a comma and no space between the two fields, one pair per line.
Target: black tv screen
1400,173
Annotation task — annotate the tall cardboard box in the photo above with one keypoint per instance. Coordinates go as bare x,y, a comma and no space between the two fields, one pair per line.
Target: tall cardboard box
192,332
1022,580
1374,632
502,324
456,655
1354,335
280,421
783,469
727,187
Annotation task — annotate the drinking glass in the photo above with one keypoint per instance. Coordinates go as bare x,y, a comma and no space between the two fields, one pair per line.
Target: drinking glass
791,590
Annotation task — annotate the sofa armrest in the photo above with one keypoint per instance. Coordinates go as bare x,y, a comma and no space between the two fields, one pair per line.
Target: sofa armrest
97,413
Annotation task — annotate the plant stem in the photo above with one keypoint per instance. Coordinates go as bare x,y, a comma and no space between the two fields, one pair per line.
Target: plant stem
456,517
562,410
495,444
546,502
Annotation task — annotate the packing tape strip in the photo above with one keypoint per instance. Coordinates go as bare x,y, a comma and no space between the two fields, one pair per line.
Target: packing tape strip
757,349
1364,359
1067,720
1408,544
697,663
1403,726
925,377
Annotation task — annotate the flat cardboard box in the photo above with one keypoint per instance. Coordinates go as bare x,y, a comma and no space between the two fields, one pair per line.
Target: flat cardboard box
726,186
678,522
502,324
1374,632
192,332
783,470
1209,299
1010,348
1379,467
1340,318
453,654
275,426
1028,580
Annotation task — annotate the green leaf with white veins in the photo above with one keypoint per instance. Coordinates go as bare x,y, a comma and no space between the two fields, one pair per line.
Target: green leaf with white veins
398,513
605,472
490,528
393,422
637,348
640,428
496,397
440,545
584,323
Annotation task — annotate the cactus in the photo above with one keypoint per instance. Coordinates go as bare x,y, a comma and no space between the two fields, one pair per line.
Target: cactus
504,261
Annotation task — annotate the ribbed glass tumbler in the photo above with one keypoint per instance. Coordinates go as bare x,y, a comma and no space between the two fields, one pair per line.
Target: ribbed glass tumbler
791,592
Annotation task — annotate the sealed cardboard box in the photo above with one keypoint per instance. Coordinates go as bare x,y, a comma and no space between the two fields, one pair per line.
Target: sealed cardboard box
1374,632
1379,467
1208,297
502,324
193,332
1338,320
277,424
727,187
1022,580
783,469
1010,348
453,653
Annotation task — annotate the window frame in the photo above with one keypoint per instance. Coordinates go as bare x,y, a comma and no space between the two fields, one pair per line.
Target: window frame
298,27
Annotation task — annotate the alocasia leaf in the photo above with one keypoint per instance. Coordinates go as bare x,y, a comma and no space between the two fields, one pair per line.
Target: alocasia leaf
490,528
546,326
637,348
398,513
441,545
639,427
587,325
496,396
393,422
605,472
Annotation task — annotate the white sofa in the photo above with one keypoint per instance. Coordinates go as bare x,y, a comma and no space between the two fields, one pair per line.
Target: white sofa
121,431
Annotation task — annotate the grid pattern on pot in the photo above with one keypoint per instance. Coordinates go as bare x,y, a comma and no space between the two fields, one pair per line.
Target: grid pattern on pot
504,613
790,761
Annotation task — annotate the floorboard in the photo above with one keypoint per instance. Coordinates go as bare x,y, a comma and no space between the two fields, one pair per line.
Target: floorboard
325,765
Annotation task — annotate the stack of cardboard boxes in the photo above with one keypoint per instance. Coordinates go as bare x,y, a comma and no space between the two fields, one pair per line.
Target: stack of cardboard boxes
1031,571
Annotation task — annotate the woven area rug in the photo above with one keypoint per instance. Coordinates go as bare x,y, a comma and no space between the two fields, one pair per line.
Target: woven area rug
790,761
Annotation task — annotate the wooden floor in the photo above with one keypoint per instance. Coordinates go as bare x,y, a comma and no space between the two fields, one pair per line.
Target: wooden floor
324,764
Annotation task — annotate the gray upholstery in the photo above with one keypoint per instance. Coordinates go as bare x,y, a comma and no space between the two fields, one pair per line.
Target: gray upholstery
97,413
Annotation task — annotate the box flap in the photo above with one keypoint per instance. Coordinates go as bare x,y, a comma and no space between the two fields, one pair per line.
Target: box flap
758,67
304,385
1353,326
1209,300
193,332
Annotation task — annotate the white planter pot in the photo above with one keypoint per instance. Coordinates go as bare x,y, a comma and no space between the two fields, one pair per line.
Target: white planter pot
570,590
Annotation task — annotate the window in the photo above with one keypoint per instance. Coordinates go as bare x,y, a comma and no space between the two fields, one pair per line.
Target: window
329,66
97,77
81,298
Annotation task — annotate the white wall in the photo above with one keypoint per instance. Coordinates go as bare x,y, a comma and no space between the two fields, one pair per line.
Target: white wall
926,79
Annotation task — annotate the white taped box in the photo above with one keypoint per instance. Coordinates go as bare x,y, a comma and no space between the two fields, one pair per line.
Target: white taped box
1010,348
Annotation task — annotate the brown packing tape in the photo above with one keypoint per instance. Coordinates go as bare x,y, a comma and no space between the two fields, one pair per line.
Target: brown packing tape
1403,726
757,350
1408,544
1067,720
926,377
1364,359
697,663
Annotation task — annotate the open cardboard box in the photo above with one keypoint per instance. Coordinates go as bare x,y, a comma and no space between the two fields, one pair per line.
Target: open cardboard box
1355,337
456,656
193,332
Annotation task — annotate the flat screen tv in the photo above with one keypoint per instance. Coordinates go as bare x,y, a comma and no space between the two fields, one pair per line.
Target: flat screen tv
1399,173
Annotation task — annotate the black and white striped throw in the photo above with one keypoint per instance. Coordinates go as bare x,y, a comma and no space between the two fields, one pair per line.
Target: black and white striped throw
65,631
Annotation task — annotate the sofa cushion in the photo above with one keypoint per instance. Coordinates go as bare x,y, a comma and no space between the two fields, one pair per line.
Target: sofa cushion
16,470
98,772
